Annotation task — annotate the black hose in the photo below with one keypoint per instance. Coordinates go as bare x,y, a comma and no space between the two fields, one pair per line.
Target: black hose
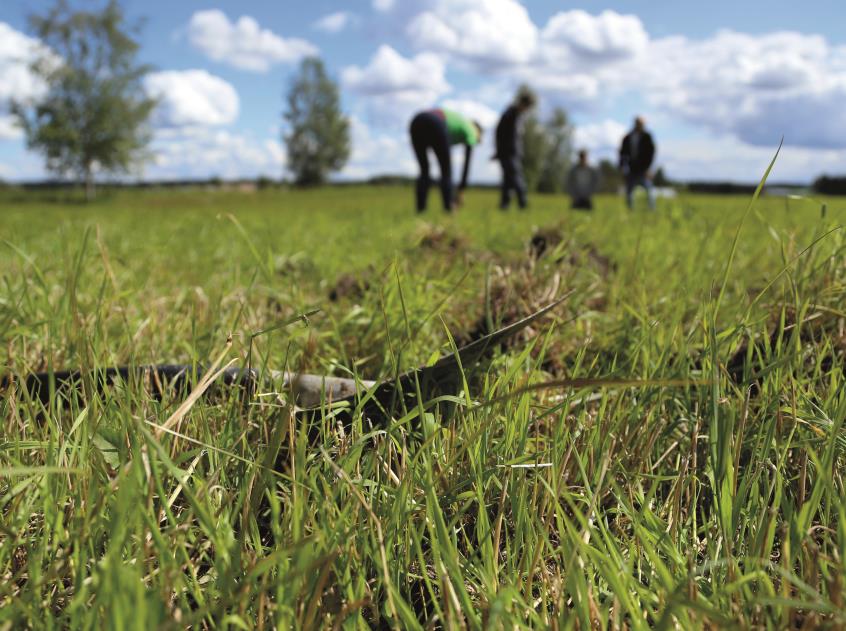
159,379
310,391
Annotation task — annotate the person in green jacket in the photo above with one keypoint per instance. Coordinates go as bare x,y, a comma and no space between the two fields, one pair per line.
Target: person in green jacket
439,130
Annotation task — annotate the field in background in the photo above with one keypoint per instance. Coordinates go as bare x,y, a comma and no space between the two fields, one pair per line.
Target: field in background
717,500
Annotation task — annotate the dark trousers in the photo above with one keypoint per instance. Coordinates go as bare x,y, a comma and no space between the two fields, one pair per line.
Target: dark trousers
582,203
512,179
633,180
429,131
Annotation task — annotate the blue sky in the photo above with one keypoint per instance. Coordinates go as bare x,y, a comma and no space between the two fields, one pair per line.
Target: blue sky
718,82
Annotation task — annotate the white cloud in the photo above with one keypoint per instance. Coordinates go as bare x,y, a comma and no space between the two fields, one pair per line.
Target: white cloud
752,87
756,87
383,5
203,152
8,129
738,90
724,157
737,93
395,85
192,98
600,138
571,89
389,73
17,52
335,22
608,35
243,43
815,119
581,59
377,153
484,33
17,80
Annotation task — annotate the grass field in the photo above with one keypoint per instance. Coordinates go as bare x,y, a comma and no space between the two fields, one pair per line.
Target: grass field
708,495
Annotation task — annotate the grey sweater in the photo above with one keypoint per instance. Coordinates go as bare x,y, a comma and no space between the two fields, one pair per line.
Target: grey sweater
582,181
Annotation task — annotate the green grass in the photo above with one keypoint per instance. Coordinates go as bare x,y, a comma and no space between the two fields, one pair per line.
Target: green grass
712,504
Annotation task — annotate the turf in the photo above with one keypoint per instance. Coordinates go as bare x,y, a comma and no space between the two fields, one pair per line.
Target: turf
709,495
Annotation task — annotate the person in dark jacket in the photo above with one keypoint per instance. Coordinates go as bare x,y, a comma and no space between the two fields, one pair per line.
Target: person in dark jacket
439,130
636,155
509,150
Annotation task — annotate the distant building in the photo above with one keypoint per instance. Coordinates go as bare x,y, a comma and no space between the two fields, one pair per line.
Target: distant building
785,190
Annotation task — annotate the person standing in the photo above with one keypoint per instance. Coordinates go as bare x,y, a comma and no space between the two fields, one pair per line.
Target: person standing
509,150
582,183
439,130
636,155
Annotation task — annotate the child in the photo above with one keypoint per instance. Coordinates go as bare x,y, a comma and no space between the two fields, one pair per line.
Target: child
582,183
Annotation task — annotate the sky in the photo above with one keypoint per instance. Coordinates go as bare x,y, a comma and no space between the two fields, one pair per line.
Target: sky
719,83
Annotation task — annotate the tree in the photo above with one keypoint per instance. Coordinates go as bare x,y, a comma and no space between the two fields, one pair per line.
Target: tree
533,141
547,148
556,164
660,178
535,147
830,185
318,140
610,178
93,115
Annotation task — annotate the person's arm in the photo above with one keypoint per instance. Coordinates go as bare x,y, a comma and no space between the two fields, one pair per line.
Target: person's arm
519,127
650,151
468,154
515,133
623,154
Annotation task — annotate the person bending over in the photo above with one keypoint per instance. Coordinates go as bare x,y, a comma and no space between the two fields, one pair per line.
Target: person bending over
582,183
509,150
439,130
636,155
